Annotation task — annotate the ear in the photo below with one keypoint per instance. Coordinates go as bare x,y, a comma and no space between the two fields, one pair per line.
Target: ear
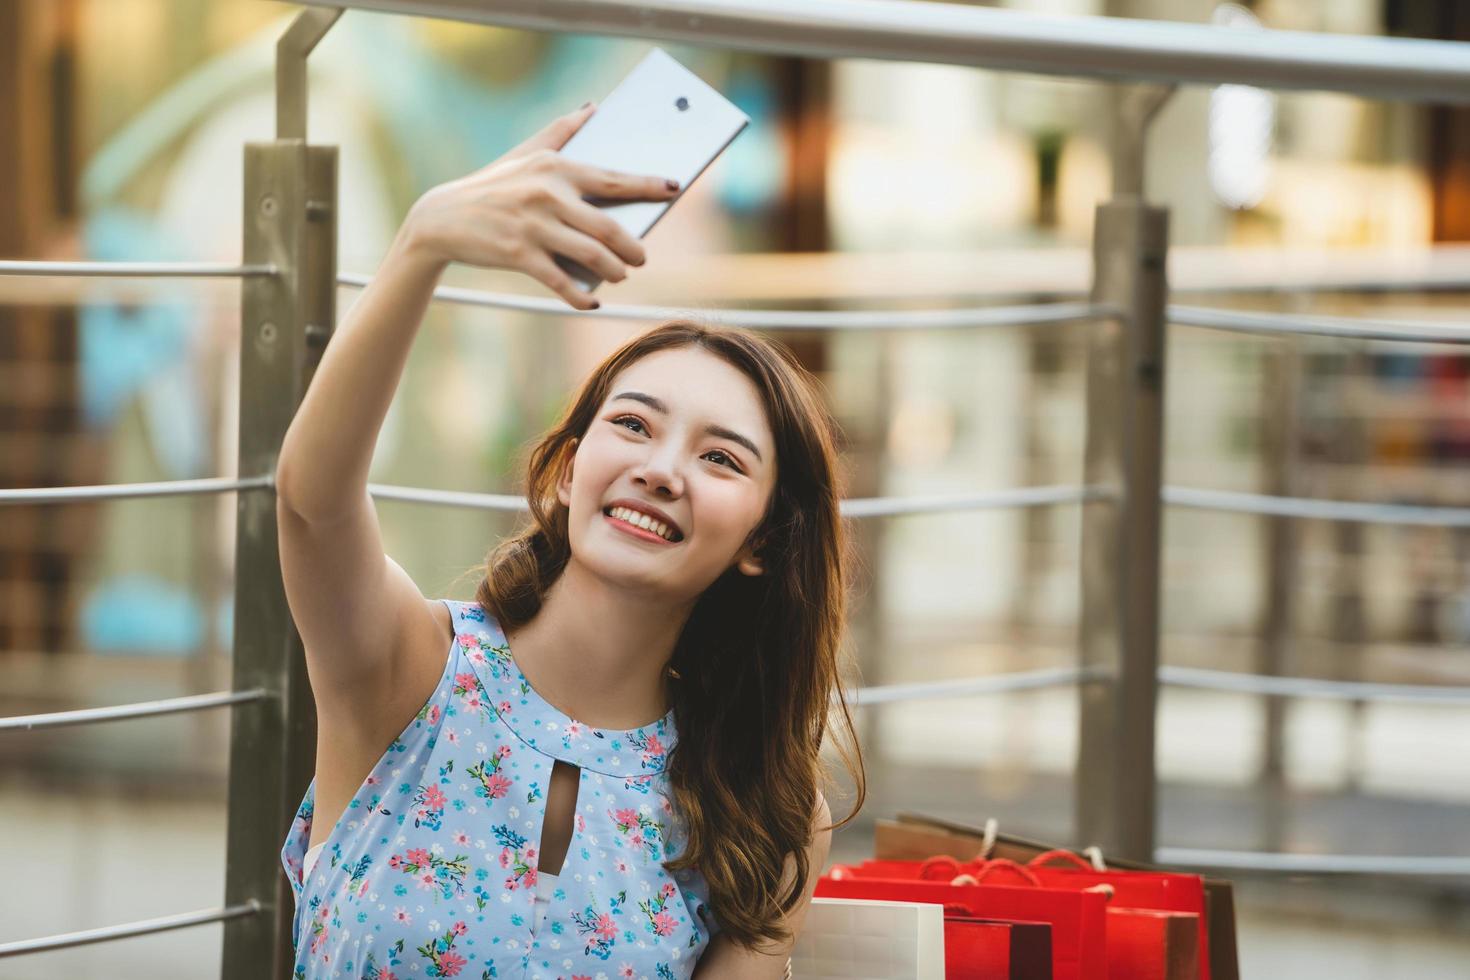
564,485
749,562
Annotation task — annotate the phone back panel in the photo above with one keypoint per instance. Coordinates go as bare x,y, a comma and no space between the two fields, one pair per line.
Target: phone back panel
640,128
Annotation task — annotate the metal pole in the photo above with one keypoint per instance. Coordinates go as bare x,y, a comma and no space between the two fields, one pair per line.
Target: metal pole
1280,432
290,222
1118,635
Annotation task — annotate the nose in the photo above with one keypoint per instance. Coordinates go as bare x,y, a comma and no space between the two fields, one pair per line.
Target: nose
660,473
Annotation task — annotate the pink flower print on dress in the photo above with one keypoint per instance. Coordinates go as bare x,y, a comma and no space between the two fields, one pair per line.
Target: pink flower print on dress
641,831
493,784
371,971
650,748
600,929
514,856
572,732
429,803
430,872
430,713
444,960
660,922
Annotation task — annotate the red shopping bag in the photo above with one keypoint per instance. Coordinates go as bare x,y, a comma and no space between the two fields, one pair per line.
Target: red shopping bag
1078,919
1144,944
1161,891
916,837
1141,942
995,949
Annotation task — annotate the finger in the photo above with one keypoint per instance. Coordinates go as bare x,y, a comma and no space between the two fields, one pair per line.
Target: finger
596,223
599,182
553,135
590,252
541,268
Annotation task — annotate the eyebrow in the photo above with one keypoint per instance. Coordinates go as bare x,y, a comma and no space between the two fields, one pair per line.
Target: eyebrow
715,430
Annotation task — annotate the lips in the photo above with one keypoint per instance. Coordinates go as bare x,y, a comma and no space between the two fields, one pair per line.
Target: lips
648,509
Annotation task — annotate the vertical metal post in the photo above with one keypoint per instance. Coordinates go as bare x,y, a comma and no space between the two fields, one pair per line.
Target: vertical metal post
1121,534
1280,431
290,202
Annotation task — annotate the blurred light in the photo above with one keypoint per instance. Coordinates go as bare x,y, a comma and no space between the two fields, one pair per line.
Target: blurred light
921,433
1240,126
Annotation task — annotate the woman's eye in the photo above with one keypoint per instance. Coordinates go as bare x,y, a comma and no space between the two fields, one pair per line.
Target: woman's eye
724,459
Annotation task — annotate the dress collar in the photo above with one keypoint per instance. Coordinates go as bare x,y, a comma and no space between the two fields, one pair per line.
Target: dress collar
639,752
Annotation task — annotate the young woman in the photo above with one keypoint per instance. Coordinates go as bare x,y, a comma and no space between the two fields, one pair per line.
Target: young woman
614,771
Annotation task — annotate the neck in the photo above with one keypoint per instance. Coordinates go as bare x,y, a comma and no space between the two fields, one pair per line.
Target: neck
599,654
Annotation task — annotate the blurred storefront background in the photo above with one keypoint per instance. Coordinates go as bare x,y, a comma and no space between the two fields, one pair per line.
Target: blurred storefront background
860,184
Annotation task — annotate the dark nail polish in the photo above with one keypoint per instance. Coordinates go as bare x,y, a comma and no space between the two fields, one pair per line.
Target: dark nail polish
596,303
584,105
672,185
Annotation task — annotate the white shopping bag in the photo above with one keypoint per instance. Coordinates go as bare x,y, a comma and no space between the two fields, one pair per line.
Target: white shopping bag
858,939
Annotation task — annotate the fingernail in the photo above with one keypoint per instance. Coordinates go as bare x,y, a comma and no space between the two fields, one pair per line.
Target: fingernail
595,304
671,184
583,106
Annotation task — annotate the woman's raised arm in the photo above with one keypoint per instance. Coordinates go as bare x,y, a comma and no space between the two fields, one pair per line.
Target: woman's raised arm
352,605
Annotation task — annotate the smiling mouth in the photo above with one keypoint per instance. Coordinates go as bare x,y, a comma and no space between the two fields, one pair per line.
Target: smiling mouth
675,535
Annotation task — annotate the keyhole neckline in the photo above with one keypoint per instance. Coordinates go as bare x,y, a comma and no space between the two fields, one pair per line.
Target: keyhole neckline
631,753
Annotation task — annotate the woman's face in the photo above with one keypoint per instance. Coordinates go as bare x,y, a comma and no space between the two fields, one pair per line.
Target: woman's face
672,435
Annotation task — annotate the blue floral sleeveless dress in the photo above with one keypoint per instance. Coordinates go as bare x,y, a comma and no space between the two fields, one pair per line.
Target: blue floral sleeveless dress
431,870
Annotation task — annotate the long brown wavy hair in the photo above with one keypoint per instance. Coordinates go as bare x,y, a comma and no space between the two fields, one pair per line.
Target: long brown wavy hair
756,673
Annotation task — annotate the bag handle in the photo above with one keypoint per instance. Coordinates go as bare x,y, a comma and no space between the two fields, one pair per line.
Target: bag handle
1066,857
998,864
941,868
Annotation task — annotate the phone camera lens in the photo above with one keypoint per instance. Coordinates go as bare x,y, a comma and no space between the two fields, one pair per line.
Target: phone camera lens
682,103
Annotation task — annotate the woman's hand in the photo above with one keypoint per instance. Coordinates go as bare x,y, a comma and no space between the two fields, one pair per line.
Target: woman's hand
520,210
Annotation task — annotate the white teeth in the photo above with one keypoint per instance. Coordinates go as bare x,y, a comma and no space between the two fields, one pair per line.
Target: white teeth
644,521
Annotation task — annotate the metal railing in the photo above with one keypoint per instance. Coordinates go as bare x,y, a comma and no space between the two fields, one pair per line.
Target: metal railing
289,277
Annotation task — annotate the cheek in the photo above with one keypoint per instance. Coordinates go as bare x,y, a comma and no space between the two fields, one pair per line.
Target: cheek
730,511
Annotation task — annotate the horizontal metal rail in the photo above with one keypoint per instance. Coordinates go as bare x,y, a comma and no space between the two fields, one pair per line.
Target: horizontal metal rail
1324,510
128,491
940,503
1311,687
449,498
1007,40
1212,680
851,507
135,270
145,927
1367,864
983,316
1292,324
1221,500
997,684
141,709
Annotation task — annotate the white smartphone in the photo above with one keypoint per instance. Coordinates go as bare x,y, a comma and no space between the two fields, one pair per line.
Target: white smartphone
662,121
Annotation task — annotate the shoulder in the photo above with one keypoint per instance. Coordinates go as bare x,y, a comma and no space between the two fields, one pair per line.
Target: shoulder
439,610
821,828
